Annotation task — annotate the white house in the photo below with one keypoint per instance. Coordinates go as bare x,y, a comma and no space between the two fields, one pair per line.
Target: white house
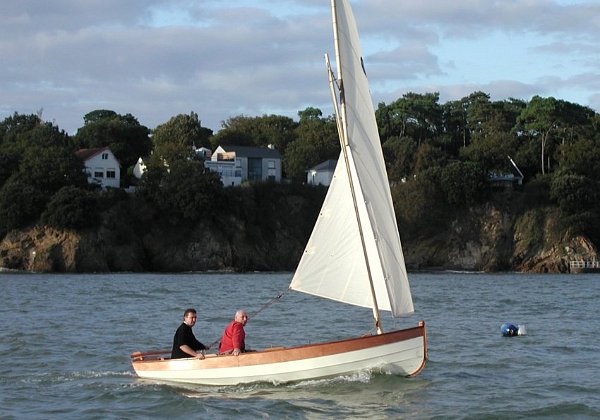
139,168
322,173
101,167
237,164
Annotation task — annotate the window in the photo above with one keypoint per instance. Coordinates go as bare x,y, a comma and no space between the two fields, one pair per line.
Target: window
104,156
111,173
254,169
271,164
98,174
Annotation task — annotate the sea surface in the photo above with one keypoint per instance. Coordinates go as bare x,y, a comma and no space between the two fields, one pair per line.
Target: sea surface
65,342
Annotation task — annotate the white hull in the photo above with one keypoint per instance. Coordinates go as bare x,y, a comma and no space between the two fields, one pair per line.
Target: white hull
400,352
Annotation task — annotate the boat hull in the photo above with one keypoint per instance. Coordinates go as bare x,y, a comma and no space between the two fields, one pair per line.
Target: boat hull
402,352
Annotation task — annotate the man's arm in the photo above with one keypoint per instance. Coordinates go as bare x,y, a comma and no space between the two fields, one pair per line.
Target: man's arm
237,338
188,350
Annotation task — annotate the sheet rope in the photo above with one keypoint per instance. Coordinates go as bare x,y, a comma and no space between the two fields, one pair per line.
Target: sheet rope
262,308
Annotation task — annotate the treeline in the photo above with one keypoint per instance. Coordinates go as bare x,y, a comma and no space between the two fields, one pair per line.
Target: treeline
439,157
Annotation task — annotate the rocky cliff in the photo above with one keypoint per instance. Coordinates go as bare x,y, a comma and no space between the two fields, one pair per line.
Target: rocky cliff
483,239
487,239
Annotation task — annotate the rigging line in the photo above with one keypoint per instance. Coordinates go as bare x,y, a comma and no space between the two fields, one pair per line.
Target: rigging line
265,306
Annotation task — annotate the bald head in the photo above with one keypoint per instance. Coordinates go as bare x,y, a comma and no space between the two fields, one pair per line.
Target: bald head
241,316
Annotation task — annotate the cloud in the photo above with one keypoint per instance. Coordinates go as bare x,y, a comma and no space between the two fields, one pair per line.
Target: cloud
158,58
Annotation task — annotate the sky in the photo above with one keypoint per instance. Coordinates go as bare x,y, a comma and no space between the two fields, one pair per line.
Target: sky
156,59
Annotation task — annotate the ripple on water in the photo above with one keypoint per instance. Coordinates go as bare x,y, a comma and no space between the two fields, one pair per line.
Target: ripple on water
84,327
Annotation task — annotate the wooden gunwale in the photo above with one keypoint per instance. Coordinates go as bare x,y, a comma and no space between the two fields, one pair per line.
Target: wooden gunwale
151,361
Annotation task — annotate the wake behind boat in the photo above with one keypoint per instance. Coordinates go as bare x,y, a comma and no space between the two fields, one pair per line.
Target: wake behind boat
353,256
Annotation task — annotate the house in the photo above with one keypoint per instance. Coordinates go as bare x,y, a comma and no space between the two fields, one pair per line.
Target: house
202,152
237,164
512,178
322,173
139,168
101,166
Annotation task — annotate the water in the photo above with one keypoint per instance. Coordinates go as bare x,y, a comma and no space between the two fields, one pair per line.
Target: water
66,340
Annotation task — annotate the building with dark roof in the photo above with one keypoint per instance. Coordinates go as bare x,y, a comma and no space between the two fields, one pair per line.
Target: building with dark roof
237,164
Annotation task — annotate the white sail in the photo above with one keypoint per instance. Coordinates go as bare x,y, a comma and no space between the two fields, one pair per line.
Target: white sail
333,264
356,229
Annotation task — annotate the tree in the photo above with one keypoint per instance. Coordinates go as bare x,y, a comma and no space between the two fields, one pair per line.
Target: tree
49,169
549,118
479,112
9,163
123,134
25,139
581,157
99,115
464,183
418,116
261,131
20,205
149,187
574,193
455,124
12,127
399,154
177,138
309,114
428,157
71,208
189,191
491,151
540,119
420,204
20,132
317,141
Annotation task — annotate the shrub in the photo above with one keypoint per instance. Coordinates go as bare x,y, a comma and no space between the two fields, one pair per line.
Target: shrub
71,208
20,205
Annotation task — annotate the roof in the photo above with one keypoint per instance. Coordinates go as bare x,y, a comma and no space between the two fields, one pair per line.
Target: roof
253,152
512,173
86,154
328,165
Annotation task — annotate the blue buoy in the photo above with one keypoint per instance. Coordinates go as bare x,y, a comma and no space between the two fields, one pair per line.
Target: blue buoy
510,330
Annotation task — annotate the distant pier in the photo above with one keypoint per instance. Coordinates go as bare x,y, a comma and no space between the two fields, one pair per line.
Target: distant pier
584,266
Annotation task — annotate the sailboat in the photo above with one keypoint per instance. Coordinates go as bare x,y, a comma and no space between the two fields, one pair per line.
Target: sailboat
353,256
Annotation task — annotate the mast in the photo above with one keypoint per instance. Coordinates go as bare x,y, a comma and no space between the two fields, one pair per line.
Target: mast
341,120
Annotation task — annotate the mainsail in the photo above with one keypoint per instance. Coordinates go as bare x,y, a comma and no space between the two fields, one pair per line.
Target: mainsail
333,264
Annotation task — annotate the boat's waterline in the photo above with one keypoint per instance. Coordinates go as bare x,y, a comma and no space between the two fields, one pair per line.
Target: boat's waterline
400,352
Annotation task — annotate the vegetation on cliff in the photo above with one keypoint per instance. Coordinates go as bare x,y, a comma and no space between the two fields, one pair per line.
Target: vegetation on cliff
440,160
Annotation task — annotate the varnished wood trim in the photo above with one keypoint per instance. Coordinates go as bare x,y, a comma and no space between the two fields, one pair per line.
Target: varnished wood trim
146,361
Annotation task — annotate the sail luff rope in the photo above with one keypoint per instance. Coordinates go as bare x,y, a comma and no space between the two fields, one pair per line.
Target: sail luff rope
346,149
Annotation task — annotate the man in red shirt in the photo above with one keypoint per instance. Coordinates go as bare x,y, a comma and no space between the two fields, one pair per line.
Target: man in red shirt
234,336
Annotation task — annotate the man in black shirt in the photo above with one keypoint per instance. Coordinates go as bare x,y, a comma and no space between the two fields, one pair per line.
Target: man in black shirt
184,341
